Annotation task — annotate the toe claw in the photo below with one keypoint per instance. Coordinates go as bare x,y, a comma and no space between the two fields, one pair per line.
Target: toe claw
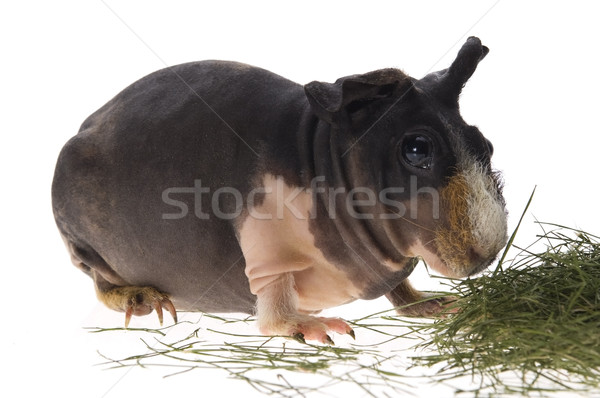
168,305
159,312
128,315
328,340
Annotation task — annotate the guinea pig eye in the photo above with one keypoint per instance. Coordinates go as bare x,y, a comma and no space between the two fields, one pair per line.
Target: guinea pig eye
417,151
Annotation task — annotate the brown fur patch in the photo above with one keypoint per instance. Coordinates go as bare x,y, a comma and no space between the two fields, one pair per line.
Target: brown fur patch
454,238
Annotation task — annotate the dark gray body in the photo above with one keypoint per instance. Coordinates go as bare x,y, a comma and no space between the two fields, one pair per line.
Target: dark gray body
159,133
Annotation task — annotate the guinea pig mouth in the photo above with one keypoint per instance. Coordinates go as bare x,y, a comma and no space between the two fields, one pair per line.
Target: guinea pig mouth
477,263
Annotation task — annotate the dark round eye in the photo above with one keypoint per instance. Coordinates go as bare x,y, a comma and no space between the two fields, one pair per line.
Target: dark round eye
417,151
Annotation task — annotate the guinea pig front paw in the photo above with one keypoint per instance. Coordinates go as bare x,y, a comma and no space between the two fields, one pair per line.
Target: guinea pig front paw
432,307
138,301
306,327
316,329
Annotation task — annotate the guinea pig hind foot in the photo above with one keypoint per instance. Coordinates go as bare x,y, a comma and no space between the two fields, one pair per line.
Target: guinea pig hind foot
137,300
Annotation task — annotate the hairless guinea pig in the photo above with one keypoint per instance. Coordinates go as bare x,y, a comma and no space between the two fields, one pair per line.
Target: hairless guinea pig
221,187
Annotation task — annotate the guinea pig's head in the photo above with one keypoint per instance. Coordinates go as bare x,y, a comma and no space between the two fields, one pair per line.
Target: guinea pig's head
438,196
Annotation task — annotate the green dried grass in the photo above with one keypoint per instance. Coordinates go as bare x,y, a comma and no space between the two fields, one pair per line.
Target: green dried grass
267,364
537,319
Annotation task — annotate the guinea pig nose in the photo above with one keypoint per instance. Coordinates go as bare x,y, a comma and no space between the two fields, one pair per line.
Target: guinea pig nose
490,146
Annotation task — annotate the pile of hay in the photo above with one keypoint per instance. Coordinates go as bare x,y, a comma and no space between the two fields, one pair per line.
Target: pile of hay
538,319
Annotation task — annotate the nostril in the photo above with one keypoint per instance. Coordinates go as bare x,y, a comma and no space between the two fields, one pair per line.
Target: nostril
490,146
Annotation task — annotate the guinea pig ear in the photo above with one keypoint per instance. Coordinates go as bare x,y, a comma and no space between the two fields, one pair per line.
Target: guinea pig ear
450,82
351,93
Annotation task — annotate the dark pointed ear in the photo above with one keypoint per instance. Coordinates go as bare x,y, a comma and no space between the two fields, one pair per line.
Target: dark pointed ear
450,82
465,63
351,93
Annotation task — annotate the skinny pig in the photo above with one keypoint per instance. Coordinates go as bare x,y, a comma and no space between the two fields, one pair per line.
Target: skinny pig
221,187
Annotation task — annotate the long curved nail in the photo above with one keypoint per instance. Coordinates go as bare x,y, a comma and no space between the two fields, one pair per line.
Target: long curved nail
170,307
159,312
328,340
128,314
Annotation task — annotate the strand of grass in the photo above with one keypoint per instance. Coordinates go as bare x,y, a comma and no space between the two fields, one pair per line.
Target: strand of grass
120,329
514,234
226,320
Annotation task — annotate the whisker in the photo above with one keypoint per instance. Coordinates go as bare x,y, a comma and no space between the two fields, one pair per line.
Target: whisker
431,241
409,221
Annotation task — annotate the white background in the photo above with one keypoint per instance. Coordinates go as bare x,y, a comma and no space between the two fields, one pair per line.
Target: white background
535,97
